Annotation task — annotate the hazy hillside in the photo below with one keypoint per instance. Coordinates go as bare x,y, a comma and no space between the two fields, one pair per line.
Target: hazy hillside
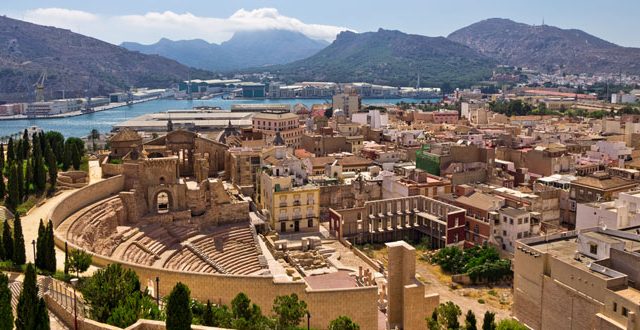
393,58
547,48
74,62
243,50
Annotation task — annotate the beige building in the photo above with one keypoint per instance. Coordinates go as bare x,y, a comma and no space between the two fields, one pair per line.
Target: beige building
348,103
291,204
578,280
274,121
242,166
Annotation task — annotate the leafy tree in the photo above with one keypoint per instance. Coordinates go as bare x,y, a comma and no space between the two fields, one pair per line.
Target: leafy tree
510,324
6,314
136,306
447,315
470,321
56,142
79,261
107,289
289,310
7,240
343,323
489,322
179,314
247,315
19,256
28,301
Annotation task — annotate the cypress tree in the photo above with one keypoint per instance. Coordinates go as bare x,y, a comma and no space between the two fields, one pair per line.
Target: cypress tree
13,193
39,175
40,249
3,255
11,154
67,158
49,248
76,157
28,301
28,177
7,240
42,316
1,156
179,314
2,186
66,258
6,314
25,145
207,316
20,181
52,165
19,256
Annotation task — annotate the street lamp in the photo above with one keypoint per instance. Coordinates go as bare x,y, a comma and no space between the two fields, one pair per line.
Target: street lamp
33,242
308,322
158,291
74,283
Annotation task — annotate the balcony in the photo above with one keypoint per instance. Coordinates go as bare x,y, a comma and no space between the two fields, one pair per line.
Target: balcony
296,203
283,204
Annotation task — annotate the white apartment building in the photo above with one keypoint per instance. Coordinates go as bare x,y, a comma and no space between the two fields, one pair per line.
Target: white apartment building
620,213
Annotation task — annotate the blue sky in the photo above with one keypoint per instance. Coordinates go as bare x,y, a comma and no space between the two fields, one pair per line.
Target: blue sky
216,20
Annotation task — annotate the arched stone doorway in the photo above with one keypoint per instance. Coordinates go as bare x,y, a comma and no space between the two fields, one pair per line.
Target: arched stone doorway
163,202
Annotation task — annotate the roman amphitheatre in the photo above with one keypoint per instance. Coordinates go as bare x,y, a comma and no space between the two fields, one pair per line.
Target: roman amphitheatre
165,211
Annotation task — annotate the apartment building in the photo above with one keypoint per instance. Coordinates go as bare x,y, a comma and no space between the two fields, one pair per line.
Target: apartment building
271,122
292,205
586,279
348,103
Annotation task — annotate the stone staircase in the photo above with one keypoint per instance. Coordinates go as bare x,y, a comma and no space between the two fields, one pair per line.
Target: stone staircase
206,258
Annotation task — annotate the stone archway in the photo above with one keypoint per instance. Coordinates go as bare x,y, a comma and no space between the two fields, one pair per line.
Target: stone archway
163,201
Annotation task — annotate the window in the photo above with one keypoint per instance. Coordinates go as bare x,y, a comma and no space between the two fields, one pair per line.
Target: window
519,221
593,248
615,306
511,221
625,311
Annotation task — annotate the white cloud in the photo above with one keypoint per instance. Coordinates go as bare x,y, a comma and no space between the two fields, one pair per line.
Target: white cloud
150,27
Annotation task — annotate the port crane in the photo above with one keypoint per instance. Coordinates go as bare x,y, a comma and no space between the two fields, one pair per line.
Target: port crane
40,87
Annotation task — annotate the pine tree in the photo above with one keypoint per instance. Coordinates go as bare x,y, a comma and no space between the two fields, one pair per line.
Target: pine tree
28,301
6,314
52,165
19,256
179,314
50,249
7,240
40,250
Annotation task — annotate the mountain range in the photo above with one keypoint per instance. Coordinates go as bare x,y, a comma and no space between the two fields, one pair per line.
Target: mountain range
547,48
75,63
245,49
392,58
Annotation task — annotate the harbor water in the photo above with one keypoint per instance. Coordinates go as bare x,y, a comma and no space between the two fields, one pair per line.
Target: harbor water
103,121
